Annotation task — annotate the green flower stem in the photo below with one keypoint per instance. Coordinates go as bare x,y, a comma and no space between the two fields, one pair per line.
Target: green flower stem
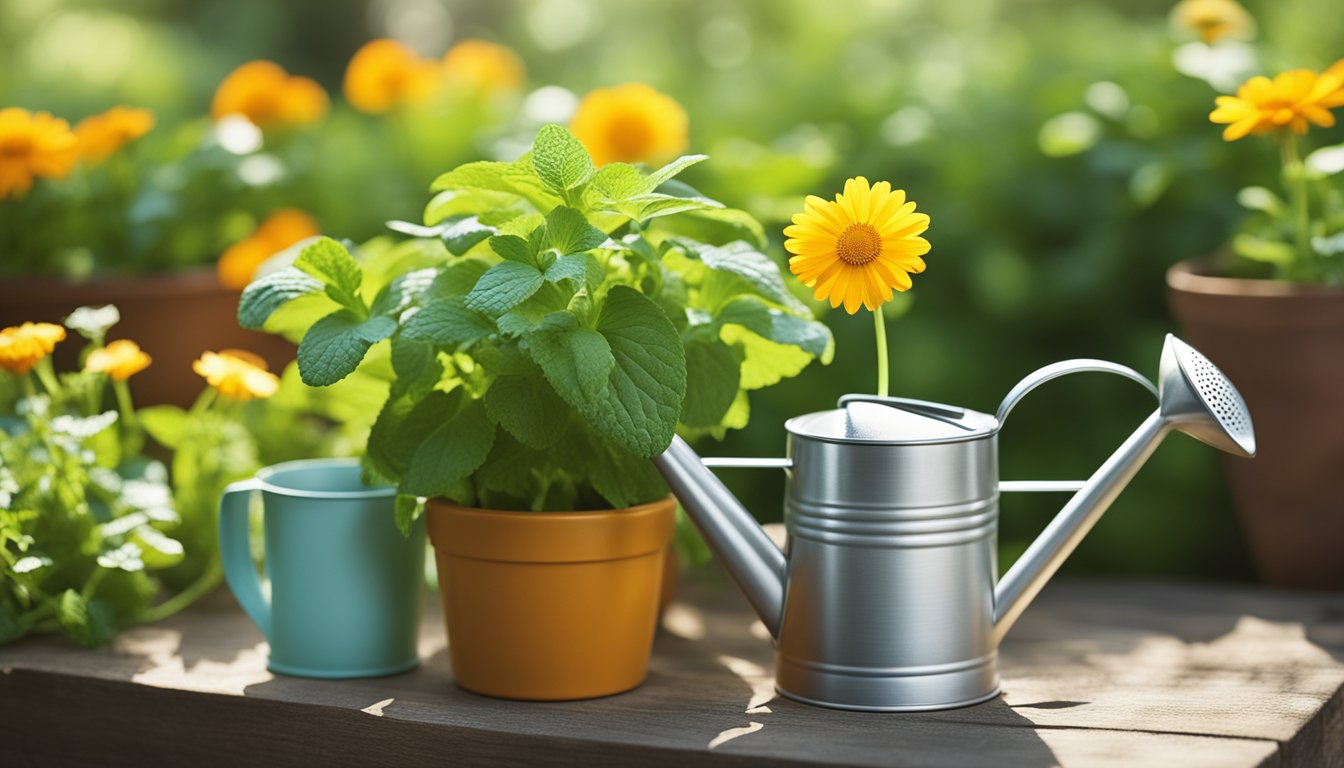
135,438
883,377
207,582
1292,165
91,586
47,376
203,402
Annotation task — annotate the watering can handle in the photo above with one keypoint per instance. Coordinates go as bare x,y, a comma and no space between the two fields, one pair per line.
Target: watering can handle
1053,371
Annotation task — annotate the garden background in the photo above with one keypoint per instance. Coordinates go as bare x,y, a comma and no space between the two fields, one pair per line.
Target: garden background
1065,160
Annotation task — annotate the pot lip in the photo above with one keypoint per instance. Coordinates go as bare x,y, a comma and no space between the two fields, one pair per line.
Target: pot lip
652,507
1192,276
202,279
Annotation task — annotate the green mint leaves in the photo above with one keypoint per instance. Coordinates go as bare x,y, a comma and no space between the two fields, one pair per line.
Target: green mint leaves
560,325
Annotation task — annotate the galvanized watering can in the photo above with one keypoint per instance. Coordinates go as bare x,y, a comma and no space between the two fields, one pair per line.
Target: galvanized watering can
885,598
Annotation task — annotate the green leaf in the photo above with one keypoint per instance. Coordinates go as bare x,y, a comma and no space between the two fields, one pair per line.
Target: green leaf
336,344
523,318
402,426
765,363
89,623
460,234
617,182
450,453
518,178
561,161
165,423
1259,249
712,375
567,231
330,262
654,204
404,290
503,287
416,365
492,207
759,273
528,409
713,225
665,174
458,278
447,322
264,296
642,400
156,549
513,248
577,361
624,479
581,269
779,326
125,557
408,510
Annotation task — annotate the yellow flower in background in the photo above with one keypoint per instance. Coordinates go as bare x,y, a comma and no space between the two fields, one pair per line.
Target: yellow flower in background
101,135
1292,100
267,95
33,144
630,123
385,74
120,359
1214,20
23,346
282,229
856,249
484,66
237,374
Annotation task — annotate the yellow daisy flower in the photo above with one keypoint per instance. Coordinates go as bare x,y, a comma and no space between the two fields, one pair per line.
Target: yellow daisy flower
385,74
120,359
23,346
101,135
630,123
1292,100
856,249
485,66
1214,20
267,95
33,144
237,374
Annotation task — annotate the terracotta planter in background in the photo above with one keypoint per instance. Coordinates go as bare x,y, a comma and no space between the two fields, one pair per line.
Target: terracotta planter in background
550,605
173,317
1282,345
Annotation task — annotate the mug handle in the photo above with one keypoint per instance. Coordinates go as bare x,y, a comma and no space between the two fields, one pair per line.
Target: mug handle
235,550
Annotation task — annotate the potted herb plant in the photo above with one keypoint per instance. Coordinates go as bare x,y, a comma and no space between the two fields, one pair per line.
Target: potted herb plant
554,326
1272,317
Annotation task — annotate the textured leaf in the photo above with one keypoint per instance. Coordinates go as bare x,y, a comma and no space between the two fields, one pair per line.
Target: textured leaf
562,162
261,298
450,453
518,178
447,322
665,174
459,234
654,204
402,425
568,231
624,479
404,290
765,363
503,287
712,374
416,366
759,272
579,268
458,278
513,248
528,409
576,360
336,344
331,263
493,207
523,318
642,400
714,225
780,327
616,182
89,623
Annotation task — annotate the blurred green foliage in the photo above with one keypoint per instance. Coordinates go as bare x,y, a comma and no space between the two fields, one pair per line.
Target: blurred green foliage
1065,163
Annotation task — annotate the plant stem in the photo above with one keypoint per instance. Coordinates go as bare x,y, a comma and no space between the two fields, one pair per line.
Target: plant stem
883,377
47,375
1292,167
135,439
208,581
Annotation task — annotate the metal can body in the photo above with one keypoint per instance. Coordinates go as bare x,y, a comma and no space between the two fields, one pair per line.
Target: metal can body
889,601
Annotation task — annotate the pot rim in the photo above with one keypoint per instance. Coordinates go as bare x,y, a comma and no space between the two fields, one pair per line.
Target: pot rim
1192,276
202,279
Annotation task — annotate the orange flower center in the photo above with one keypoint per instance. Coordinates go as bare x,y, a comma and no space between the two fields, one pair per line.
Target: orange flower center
858,244
16,146
630,137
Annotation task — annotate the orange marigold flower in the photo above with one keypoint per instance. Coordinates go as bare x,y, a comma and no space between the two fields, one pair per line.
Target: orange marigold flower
484,66
120,359
267,95
1214,20
1292,100
282,229
33,145
101,135
237,374
385,74
23,346
630,123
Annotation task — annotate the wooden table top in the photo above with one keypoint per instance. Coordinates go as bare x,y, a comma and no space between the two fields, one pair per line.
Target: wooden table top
1096,673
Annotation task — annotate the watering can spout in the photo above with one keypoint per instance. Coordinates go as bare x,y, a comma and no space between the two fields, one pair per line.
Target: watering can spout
1193,397
737,540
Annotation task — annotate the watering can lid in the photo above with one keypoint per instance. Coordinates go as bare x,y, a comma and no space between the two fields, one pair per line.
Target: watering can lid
868,419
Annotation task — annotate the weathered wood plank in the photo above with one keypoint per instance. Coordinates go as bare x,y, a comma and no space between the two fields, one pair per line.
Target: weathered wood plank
1095,674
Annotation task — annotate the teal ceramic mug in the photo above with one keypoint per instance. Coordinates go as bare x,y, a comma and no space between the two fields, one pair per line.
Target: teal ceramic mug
345,584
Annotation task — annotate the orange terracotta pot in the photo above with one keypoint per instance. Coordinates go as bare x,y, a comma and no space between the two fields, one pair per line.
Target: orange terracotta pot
549,606
174,317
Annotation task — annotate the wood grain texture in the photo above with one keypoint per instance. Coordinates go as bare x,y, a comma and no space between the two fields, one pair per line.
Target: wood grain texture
1099,673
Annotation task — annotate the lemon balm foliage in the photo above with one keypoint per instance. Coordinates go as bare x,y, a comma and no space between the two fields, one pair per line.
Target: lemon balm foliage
550,328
